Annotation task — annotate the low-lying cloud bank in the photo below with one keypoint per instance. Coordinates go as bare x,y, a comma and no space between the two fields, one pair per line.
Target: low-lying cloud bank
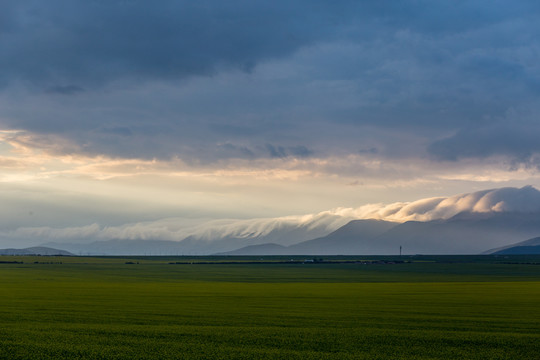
290,229
526,199
177,229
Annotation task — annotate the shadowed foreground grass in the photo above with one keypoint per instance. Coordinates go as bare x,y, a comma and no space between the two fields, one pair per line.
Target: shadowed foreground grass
105,309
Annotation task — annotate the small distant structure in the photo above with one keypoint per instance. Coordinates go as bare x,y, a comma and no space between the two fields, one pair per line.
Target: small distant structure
399,250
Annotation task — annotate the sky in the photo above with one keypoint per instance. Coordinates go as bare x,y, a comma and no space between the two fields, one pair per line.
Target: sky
125,111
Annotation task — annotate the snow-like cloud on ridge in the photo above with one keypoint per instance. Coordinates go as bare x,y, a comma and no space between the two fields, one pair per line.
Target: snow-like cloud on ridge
526,199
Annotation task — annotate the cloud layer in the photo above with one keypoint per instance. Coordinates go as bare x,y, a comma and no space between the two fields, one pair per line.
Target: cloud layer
526,199
290,229
213,81
81,44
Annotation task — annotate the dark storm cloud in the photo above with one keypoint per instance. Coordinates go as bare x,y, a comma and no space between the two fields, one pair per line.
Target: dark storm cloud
88,42
211,80
92,42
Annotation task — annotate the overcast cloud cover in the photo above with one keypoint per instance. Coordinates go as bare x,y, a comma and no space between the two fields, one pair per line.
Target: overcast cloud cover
123,111
209,80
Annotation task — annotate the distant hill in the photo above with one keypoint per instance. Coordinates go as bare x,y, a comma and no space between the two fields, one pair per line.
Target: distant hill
38,250
527,247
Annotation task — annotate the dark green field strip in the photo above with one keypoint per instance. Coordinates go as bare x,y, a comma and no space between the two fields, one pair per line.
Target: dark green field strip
278,273
118,311
451,259
137,342
281,258
274,301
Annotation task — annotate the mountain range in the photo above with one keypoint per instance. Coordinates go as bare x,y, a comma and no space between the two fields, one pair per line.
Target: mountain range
220,237
461,224
465,233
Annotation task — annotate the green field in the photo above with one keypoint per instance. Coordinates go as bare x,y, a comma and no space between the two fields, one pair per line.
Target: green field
428,308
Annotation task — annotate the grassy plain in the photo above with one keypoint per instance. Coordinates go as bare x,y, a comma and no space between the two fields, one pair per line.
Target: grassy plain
431,308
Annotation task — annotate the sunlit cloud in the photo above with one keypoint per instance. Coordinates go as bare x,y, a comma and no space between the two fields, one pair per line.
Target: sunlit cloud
526,199
28,159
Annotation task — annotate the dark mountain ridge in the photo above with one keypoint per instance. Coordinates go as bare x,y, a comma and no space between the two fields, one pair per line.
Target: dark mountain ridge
464,233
